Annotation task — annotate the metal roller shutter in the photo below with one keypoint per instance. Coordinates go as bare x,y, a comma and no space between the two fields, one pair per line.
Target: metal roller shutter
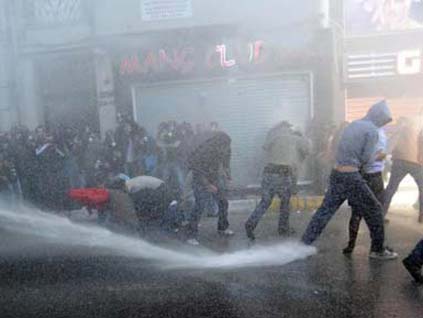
408,107
246,108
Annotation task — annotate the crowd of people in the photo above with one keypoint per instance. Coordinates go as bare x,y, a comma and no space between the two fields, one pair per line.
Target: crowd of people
42,165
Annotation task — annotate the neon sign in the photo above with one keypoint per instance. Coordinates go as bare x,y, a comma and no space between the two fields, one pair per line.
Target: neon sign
186,60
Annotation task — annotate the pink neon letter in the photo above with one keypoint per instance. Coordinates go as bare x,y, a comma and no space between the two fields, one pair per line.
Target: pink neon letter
221,49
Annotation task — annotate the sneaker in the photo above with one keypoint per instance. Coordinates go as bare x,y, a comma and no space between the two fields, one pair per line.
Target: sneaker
226,232
385,255
250,233
193,242
413,269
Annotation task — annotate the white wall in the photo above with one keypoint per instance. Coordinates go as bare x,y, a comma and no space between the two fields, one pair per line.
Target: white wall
124,16
29,108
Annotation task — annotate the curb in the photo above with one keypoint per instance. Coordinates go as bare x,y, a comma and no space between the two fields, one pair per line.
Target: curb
299,203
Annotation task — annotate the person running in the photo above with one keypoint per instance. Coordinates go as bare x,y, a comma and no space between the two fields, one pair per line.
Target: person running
356,148
372,174
285,150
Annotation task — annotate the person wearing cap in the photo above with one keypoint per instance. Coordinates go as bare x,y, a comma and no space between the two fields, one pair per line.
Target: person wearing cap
284,150
356,148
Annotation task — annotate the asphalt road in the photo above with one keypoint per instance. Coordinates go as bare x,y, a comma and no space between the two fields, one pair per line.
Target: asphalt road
50,280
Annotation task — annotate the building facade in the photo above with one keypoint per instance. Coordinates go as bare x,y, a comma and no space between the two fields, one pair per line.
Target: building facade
245,64
384,58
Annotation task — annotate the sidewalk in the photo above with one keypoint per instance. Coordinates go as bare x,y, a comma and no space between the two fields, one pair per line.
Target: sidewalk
405,198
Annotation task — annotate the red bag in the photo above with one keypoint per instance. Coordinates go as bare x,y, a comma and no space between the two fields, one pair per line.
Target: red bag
90,197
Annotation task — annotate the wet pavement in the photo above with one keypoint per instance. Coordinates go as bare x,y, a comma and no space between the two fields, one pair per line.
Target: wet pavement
48,280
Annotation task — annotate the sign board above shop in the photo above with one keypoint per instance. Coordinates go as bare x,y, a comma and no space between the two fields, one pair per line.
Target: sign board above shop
202,60
381,65
159,10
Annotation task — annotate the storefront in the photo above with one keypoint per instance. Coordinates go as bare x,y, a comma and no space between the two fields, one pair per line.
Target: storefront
384,56
66,89
245,84
394,76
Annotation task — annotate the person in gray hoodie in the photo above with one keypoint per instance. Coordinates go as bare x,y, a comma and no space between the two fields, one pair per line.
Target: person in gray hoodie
372,172
356,148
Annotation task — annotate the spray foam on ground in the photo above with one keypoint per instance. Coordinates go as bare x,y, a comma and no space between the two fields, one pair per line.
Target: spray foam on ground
61,230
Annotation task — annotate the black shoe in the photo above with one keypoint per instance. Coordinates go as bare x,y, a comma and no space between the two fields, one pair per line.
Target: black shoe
250,232
348,250
413,269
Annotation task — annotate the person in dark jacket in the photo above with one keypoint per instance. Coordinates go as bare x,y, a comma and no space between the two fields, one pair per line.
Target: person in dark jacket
356,148
52,179
7,176
212,152
153,203
171,166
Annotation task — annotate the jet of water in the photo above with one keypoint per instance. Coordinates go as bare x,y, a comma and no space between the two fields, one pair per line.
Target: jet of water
61,230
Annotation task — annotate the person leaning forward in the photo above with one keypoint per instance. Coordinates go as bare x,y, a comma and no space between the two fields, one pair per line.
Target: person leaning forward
356,148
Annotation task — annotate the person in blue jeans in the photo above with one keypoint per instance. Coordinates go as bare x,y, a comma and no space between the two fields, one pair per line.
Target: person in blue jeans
212,153
356,147
372,174
284,150
414,263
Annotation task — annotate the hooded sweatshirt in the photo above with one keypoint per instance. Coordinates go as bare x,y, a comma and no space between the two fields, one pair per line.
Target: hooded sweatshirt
359,140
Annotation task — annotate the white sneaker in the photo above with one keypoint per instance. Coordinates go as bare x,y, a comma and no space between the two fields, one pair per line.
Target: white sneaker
226,232
193,242
385,255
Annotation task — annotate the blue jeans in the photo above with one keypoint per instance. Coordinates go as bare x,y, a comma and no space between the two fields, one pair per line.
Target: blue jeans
172,173
375,182
416,255
400,169
274,184
351,187
202,197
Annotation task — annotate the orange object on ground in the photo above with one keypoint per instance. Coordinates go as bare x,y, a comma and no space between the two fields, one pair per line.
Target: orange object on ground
90,197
